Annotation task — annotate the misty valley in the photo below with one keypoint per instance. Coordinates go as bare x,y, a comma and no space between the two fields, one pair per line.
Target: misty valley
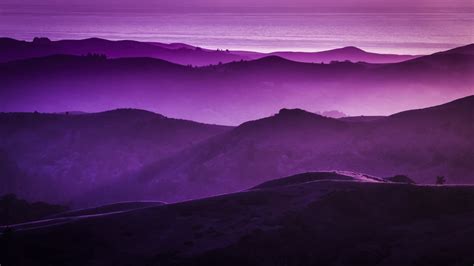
146,153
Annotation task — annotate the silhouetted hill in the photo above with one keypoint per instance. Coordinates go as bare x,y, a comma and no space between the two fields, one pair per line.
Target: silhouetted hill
466,50
420,143
179,53
235,92
56,157
330,222
452,60
288,119
349,53
15,211
449,110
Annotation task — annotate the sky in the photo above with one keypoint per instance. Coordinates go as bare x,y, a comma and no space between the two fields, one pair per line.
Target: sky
421,27
249,4
390,26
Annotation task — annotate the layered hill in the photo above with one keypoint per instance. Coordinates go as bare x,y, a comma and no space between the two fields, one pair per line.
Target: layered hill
319,176
130,155
340,220
349,53
179,53
236,92
421,144
55,157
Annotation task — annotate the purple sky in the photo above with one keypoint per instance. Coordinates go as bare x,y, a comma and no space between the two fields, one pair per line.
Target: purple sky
392,26
264,4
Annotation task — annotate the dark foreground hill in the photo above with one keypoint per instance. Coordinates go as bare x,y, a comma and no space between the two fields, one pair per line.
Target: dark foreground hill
350,53
14,210
104,209
336,221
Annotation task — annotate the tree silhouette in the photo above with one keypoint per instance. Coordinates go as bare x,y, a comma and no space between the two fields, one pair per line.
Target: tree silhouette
440,180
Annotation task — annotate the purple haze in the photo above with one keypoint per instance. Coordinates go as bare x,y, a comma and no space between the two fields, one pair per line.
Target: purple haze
341,116
229,93
397,27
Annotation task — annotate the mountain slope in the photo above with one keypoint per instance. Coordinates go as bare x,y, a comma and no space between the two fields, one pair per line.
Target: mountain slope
329,222
318,176
15,211
421,144
61,156
350,53
107,209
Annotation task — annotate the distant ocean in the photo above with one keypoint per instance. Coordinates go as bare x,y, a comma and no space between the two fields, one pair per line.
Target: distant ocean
405,33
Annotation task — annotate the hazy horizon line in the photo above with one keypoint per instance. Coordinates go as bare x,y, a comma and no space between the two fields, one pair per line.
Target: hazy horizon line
269,52
74,8
320,113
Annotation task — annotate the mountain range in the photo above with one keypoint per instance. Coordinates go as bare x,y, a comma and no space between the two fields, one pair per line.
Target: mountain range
421,144
128,155
235,92
340,157
90,157
179,53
